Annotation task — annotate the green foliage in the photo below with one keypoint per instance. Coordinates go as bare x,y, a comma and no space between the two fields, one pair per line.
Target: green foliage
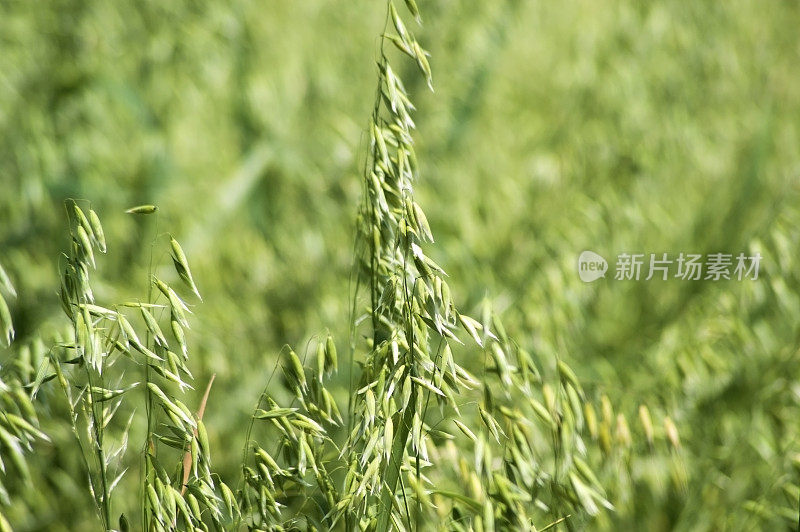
554,128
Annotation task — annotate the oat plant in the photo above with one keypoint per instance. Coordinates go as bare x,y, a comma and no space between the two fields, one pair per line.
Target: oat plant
428,443
19,423
119,359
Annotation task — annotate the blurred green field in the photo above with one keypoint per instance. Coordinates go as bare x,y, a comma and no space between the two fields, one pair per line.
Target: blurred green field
634,127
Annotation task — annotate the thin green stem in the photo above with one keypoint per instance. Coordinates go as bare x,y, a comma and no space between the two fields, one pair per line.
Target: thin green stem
148,395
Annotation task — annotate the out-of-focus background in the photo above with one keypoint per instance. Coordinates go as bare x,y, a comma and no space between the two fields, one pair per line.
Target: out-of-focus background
555,127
